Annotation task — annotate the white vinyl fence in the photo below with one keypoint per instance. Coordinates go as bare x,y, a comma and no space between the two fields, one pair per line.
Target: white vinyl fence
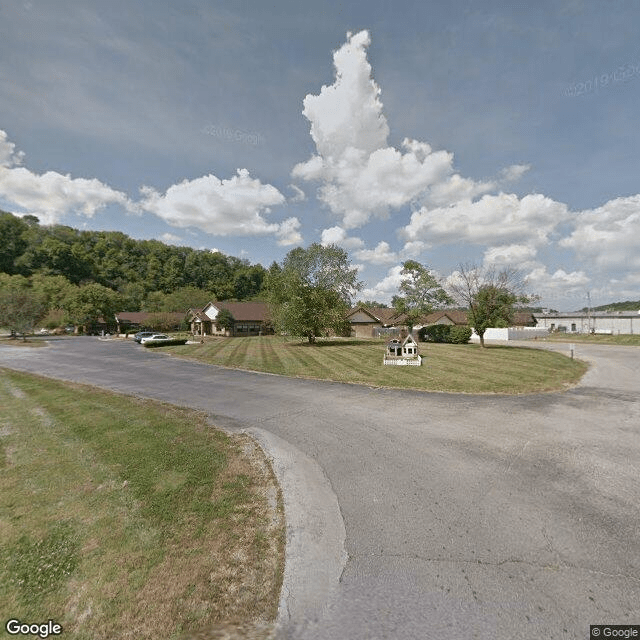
512,333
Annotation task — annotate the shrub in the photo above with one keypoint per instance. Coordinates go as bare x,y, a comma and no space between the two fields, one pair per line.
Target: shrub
435,333
460,335
165,343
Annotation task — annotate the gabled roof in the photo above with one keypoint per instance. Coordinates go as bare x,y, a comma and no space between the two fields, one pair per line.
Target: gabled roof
246,311
196,314
455,316
459,316
241,311
383,315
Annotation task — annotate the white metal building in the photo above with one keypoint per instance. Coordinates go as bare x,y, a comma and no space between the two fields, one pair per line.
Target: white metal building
606,322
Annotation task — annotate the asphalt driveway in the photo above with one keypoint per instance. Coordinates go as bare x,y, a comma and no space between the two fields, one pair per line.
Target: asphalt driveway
426,515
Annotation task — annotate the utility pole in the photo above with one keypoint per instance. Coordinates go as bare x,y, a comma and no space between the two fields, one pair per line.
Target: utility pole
588,312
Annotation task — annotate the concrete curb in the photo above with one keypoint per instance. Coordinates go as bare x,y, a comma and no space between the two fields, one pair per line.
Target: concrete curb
315,553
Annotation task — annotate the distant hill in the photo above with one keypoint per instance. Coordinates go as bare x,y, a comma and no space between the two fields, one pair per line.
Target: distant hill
148,274
629,305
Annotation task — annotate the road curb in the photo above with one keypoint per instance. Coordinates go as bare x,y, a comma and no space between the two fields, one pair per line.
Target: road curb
315,553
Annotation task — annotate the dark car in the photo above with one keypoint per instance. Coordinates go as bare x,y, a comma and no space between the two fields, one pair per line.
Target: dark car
143,334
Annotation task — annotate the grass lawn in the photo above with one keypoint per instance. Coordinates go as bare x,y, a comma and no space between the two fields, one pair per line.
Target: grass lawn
622,339
126,518
457,368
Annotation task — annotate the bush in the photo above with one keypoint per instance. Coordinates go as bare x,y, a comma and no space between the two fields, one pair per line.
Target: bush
460,335
451,334
435,333
165,343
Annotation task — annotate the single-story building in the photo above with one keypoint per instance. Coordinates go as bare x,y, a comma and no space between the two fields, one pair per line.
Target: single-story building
606,322
249,319
366,320
459,317
139,320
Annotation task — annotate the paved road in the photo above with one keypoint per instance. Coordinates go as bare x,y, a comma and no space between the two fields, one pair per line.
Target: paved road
465,516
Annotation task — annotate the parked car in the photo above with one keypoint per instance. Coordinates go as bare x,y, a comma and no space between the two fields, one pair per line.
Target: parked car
156,337
143,334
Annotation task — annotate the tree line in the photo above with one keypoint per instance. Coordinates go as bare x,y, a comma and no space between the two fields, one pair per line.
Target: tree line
56,274
74,275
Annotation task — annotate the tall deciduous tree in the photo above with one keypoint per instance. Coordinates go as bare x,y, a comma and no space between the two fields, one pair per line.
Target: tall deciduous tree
490,295
420,291
89,303
312,291
20,306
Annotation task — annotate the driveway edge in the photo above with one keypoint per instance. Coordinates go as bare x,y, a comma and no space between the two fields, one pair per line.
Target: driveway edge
315,553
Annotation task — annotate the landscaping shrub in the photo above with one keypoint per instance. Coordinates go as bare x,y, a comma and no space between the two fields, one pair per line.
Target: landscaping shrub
452,334
166,343
435,333
459,335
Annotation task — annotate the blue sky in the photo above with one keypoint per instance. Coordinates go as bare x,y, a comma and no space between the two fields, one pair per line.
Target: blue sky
449,133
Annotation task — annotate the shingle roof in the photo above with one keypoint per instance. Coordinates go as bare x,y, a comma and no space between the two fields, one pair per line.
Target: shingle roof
384,315
246,311
459,316
140,317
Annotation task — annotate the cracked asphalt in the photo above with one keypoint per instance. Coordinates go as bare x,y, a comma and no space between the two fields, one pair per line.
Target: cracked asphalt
426,515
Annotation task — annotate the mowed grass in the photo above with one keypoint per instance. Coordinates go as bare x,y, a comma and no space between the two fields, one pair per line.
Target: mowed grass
125,518
622,339
454,368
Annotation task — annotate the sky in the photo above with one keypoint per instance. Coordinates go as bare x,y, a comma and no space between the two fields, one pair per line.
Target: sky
464,132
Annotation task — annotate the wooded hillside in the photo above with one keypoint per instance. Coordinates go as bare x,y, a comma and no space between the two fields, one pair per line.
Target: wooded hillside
147,275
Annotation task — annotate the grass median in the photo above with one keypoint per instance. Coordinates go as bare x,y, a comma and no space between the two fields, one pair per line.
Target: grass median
126,518
455,368
622,339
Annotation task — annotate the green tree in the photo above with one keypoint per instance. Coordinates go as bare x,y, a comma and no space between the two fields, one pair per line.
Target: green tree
225,320
490,295
312,291
187,298
13,243
420,292
91,302
20,306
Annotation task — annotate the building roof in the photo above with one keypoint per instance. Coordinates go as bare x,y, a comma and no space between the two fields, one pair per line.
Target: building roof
246,311
141,317
383,315
456,316
242,311
459,316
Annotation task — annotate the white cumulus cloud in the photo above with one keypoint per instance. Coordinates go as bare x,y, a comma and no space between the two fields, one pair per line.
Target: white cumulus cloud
8,154
502,218
608,235
51,195
381,254
233,207
386,288
361,175
513,255
337,235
